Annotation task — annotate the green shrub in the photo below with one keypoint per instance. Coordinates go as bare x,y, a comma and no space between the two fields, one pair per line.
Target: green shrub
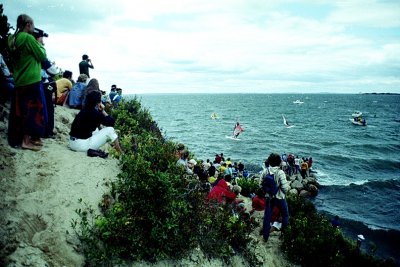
158,212
248,185
310,240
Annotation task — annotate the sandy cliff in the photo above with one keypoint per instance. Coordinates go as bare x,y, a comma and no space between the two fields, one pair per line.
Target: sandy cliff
40,191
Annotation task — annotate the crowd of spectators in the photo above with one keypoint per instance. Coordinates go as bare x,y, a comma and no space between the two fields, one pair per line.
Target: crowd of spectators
35,85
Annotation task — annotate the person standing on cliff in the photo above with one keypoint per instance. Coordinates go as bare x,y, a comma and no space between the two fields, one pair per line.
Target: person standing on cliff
85,64
279,199
27,118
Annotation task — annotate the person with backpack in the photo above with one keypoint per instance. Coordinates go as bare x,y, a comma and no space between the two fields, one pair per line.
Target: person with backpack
275,186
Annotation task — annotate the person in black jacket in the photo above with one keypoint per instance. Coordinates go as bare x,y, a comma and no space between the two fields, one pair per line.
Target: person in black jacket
85,133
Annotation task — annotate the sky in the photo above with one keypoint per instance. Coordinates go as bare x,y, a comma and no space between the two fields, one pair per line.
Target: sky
224,46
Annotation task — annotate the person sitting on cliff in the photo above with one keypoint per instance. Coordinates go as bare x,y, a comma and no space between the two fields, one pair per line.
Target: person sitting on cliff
217,159
258,201
222,168
183,161
93,85
117,98
85,133
222,194
64,85
206,165
191,164
77,91
335,222
113,92
212,174
240,168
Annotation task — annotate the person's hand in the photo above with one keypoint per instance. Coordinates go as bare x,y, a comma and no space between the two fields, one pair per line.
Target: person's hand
40,40
100,107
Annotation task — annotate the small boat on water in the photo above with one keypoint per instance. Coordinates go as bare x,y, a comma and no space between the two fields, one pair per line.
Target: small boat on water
214,116
358,119
298,102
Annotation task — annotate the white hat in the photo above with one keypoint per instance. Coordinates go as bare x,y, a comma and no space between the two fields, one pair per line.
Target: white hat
360,237
193,162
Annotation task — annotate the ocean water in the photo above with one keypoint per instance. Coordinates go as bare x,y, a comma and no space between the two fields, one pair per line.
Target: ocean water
358,167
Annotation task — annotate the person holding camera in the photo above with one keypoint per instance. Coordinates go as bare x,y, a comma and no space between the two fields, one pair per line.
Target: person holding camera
84,65
27,119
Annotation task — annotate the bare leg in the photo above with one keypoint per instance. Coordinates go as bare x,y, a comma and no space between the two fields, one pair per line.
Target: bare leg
27,144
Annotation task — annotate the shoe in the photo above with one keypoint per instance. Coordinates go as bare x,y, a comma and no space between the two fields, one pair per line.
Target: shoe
97,153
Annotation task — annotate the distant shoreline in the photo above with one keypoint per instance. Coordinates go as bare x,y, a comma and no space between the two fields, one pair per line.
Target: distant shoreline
258,93
381,93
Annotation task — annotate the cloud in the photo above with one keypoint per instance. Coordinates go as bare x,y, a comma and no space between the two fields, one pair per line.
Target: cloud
369,13
173,46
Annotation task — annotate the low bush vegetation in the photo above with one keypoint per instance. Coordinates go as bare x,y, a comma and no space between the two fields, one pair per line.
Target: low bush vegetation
310,240
154,211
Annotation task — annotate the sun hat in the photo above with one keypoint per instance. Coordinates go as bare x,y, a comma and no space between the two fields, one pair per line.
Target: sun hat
82,78
193,162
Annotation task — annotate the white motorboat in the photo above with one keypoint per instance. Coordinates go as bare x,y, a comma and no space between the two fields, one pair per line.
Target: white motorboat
298,102
358,119
359,123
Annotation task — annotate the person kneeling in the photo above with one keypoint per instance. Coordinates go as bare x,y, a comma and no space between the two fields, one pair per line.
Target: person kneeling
84,134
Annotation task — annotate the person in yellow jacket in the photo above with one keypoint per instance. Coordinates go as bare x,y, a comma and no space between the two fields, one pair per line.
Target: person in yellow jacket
303,168
64,85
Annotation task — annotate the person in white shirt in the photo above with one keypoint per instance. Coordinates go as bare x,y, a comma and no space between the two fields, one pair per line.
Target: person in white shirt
297,164
279,199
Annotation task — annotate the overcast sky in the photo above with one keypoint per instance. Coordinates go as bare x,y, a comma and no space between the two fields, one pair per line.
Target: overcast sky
224,46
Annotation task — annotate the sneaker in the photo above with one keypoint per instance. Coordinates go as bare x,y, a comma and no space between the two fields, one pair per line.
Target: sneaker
97,153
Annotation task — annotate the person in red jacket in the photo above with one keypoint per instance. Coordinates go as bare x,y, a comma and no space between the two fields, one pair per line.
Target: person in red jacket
221,193
258,201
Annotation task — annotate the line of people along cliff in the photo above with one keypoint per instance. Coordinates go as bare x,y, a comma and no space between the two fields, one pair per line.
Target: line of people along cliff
34,88
220,179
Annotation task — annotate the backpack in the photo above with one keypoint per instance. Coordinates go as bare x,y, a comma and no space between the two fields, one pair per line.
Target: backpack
269,185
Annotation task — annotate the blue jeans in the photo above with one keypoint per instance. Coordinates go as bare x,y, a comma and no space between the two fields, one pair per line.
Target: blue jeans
269,204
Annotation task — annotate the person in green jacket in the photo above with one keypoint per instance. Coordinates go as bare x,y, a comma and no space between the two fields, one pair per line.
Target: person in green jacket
27,121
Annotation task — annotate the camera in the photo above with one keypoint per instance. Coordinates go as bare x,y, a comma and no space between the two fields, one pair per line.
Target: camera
39,33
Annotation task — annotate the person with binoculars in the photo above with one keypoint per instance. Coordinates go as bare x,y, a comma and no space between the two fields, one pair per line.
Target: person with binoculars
85,64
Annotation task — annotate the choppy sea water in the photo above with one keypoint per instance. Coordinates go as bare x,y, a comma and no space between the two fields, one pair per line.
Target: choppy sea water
359,167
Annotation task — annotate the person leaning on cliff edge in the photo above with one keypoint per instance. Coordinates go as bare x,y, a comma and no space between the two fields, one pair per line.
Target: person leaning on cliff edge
85,133
85,64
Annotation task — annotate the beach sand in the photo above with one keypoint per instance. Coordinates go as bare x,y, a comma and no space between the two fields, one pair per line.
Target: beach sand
40,191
